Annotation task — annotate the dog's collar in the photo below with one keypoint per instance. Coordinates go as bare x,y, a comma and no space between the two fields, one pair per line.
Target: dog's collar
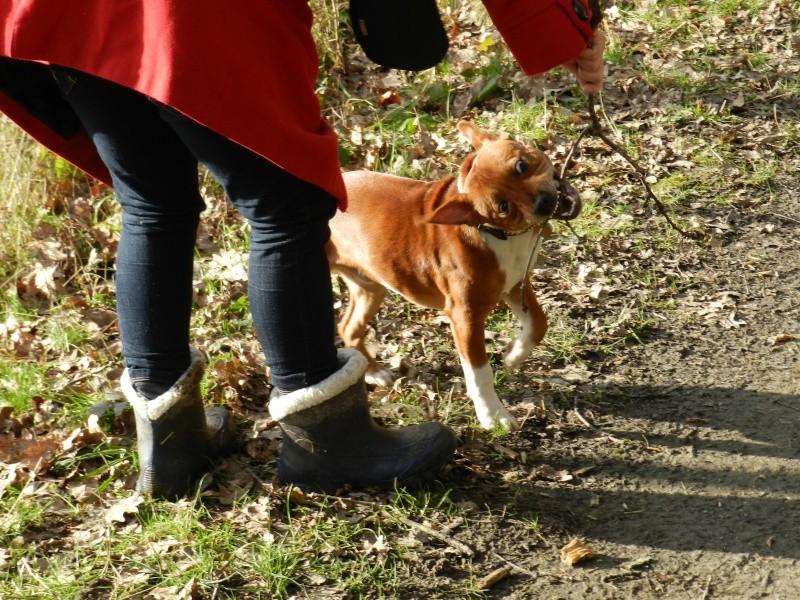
501,234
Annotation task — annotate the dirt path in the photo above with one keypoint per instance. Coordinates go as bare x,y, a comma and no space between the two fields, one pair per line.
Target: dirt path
689,487
717,502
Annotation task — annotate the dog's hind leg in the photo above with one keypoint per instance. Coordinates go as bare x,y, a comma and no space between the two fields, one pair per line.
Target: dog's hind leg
366,297
532,320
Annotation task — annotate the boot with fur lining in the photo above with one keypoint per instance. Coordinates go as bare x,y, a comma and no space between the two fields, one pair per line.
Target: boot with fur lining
331,441
177,440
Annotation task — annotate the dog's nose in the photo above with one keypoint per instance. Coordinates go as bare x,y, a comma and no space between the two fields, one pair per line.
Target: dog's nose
545,204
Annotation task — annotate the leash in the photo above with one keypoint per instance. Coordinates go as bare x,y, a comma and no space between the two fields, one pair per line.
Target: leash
537,245
502,235
537,238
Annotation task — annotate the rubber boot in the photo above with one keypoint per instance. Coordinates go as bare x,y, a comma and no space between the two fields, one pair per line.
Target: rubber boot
177,440
331,440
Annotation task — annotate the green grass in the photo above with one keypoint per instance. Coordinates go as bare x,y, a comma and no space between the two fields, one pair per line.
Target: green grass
19,514
19,383
65,331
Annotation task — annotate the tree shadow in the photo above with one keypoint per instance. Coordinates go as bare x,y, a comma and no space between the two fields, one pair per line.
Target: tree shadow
676,468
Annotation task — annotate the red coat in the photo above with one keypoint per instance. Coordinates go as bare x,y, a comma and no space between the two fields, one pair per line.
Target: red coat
247,73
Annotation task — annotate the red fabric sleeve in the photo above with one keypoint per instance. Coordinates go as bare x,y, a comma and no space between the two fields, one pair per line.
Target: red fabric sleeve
542,34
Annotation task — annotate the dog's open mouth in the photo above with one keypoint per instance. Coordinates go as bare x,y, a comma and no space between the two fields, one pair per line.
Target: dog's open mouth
569,201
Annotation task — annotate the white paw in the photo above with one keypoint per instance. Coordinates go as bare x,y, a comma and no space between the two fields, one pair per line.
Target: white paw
517,352
499,418
379,378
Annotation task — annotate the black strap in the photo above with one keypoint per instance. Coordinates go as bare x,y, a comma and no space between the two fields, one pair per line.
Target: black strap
493,231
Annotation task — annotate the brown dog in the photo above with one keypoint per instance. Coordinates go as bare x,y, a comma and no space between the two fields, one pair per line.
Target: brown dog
457,244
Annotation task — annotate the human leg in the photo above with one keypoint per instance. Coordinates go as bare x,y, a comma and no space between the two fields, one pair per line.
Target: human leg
155,181
289,287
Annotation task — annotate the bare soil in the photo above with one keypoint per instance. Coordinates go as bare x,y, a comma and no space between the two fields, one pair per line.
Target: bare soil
681,455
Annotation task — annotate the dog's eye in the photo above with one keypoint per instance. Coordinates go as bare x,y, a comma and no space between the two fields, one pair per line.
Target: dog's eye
520,167
503,207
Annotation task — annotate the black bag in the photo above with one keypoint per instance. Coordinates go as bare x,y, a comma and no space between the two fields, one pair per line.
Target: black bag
400,34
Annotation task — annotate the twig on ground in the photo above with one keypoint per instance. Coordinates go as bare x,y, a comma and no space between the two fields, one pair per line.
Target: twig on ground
494,578
708,587
523,570
583,420
453,543
786,218
787,405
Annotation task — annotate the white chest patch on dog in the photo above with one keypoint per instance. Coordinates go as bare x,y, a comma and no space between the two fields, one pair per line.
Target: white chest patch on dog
512,255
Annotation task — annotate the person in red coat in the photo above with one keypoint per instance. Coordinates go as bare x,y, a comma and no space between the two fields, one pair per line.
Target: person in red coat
138,94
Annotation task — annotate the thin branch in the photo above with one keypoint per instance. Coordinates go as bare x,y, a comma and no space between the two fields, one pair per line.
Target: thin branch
494,578
527,572
453,543
787,405
594,428
596,129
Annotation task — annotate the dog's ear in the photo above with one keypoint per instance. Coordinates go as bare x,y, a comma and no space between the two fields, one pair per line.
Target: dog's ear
456,212
475,135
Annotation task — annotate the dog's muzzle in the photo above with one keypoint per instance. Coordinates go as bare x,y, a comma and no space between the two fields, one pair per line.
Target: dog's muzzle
545,204
569,201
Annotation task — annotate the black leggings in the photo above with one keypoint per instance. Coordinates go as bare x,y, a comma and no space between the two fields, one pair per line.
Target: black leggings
152,153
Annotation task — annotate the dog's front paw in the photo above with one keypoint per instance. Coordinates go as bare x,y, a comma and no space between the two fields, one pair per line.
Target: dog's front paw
517,352
500,418
379,377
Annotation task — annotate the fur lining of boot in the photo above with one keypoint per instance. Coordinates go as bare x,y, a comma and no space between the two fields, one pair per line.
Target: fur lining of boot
353,366
178,395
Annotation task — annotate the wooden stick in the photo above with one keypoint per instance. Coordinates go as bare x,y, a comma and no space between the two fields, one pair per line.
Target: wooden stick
581,418
596,129
494,578
453,543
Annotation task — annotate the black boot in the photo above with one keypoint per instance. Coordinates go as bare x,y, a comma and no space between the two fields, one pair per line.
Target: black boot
330,439
177,440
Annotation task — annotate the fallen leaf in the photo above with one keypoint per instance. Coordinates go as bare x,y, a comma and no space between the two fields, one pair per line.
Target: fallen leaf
378,546
388,98
549,473
782,338
576,552
119,512
262,450
90,434
189,591
35,452
9,478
